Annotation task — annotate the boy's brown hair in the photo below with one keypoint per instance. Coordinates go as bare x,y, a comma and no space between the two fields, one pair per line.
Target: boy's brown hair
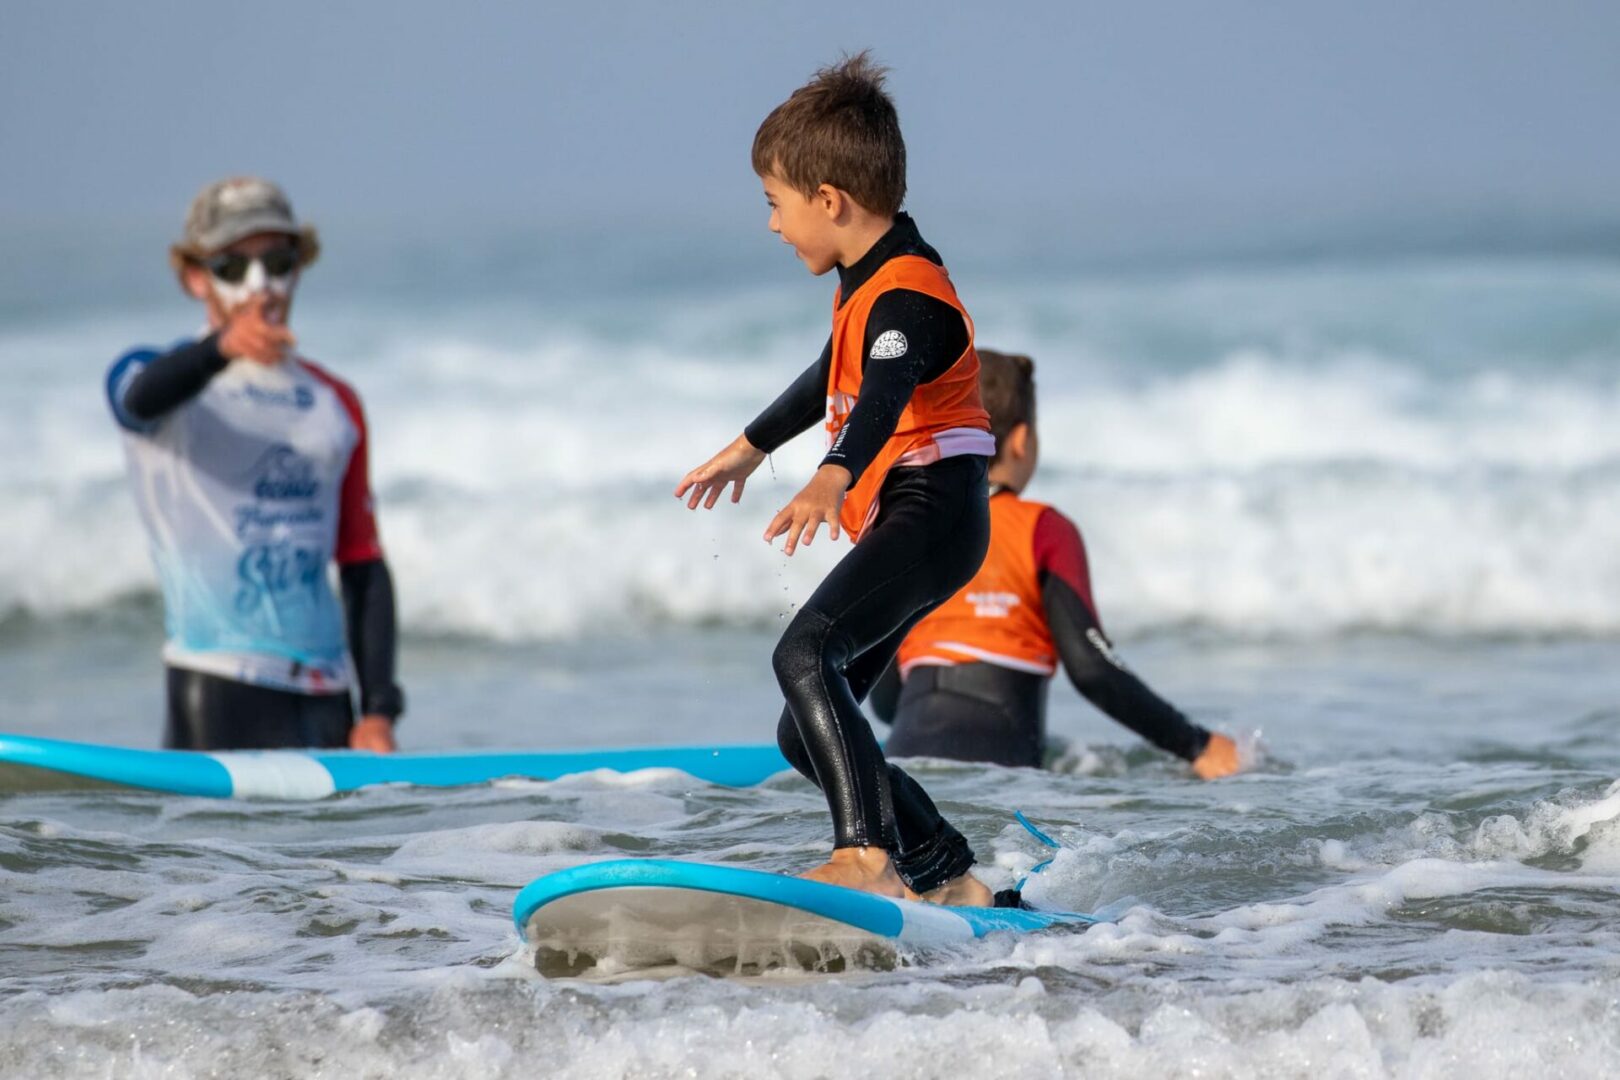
1007,385
841,129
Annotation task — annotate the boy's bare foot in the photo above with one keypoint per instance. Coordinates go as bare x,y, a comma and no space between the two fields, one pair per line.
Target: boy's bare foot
964,891
1220,758
867,869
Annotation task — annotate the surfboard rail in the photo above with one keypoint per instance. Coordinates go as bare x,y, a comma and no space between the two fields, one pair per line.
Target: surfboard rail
315,774
881,916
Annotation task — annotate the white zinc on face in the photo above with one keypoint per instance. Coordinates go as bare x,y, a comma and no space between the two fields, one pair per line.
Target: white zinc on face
255,281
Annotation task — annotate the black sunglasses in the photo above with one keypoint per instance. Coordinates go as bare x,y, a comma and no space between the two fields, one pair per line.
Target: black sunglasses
231,267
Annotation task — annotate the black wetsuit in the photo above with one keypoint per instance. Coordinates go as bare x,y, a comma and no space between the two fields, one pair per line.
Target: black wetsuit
927,540
209,712
964,712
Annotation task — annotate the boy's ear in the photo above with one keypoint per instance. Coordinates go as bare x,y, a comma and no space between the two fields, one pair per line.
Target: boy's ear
830,200
1018,441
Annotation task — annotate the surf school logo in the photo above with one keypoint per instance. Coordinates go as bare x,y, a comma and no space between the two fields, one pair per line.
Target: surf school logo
992,605
285,474
299,397
889,344
271,576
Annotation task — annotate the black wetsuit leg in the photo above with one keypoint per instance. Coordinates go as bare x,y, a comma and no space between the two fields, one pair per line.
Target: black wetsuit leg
971,712
930,536
207,712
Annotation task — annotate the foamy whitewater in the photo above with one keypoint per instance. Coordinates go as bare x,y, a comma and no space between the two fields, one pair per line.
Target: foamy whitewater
1364,515
1428,448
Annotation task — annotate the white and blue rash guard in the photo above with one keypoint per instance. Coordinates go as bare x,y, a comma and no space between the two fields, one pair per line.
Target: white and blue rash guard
250,488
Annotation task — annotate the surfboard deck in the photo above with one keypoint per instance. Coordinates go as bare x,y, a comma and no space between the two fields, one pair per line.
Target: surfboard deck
633,914
315,774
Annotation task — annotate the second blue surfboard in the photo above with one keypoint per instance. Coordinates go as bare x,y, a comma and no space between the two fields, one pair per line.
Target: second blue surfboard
315,774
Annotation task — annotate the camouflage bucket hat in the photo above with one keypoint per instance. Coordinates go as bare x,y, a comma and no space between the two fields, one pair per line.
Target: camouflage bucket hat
240,206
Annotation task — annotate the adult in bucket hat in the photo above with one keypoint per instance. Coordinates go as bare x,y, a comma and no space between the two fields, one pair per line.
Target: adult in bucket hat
249,468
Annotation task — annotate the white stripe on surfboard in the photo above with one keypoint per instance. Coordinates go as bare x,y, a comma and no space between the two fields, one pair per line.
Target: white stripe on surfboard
276,774
929,924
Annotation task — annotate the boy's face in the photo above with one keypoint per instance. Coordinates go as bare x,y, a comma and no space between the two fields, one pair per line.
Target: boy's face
809,224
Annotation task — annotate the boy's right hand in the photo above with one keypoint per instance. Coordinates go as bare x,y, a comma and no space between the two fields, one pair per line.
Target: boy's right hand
733,465
251,335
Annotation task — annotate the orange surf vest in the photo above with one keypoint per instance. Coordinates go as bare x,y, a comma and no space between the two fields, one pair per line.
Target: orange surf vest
998,617
943,418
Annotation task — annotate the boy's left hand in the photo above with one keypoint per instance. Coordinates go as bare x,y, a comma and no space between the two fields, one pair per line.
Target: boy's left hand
820,501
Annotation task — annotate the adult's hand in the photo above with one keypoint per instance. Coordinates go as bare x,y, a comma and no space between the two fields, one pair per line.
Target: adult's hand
375,733
250,334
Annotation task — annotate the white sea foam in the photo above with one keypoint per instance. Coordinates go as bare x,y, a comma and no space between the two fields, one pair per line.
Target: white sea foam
1486,1025
1258,455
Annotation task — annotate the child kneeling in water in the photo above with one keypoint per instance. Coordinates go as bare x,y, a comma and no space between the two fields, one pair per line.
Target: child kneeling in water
897,386
977,669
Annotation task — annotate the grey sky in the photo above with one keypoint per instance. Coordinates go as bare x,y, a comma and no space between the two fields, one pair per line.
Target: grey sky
1120,115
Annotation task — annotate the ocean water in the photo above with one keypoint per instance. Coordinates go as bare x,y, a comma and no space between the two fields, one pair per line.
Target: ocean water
1362,513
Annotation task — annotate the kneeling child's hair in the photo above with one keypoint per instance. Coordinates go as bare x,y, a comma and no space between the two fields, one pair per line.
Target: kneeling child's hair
1007,385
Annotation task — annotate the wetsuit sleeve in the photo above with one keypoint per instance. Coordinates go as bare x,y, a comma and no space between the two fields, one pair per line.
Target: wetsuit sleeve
796,410
368,603
911,338
148,388
884,697
1087,654
368,587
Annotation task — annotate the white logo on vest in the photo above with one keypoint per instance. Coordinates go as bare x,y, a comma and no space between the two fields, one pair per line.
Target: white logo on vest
890,344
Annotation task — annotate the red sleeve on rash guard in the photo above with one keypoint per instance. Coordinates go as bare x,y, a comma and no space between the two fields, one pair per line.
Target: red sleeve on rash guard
357,539
1060,551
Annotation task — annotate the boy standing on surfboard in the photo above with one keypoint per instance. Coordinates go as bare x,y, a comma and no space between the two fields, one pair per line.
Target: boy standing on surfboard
977,669
249,468
897,388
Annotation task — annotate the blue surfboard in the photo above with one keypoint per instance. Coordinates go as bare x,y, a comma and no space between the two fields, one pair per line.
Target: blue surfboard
629,914
315,774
